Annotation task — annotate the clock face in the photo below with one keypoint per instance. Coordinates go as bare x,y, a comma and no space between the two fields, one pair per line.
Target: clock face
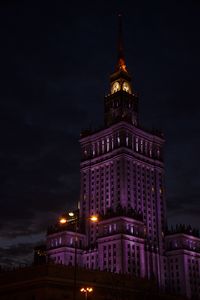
126,87
115,87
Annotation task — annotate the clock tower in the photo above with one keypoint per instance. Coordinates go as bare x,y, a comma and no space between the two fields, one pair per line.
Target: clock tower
122,181
121,103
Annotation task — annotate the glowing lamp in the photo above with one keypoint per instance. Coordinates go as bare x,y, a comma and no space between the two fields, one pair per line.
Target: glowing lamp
86,290
71,214
63,221
94,218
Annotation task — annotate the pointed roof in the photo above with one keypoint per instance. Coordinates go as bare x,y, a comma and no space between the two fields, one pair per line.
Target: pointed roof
121,65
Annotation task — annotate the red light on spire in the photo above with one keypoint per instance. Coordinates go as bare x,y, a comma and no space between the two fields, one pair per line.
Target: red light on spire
121,65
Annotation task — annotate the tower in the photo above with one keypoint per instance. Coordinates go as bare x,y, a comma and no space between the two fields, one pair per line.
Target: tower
122,181
122,174
122,103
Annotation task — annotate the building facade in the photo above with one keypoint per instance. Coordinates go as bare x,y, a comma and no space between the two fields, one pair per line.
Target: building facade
122,181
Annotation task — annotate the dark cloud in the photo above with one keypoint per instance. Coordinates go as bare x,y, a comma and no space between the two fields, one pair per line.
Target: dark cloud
17,250
187,204
12,255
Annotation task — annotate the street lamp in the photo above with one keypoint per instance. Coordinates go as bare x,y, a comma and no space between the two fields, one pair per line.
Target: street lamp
63,220
94,218
73,218
86,290
71,214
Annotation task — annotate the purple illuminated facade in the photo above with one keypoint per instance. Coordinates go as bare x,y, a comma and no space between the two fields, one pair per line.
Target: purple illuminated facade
122,181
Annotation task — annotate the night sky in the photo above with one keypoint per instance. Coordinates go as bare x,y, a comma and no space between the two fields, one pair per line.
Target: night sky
55,62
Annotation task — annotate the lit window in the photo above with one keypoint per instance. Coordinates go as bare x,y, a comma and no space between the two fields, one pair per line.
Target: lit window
108,144
93,150
136,144
112,143
150,151
132,229
118,140
102,146
141,145
145,147
127,140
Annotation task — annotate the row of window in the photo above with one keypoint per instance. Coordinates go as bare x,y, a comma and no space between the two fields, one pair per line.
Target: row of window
102,185
120,139
57,242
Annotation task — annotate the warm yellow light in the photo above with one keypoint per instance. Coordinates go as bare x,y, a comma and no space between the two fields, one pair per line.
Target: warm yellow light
71,214
87,289
63,221
94,218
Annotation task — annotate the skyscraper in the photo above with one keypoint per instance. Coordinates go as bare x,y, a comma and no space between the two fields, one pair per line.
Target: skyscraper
122,181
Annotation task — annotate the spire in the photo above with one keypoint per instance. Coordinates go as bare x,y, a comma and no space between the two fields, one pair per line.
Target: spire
121,65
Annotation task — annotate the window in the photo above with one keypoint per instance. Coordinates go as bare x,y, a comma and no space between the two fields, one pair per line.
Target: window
108,144
150,151
118,140
112,143
102,143
141,145
127,141
93,150
136,144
